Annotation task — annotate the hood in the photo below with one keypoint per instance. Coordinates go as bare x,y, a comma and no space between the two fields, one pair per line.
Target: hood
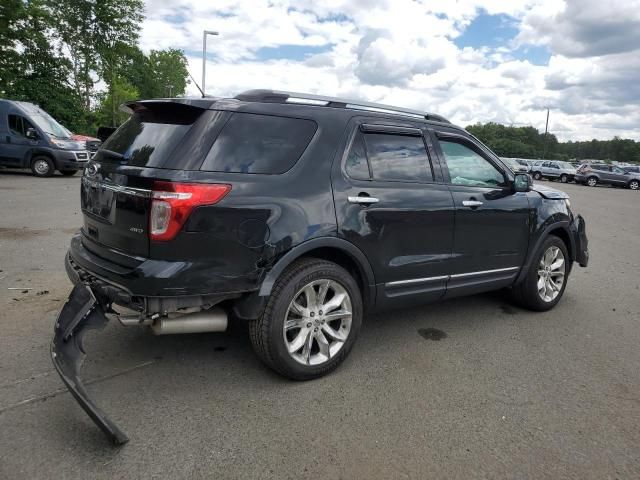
548,192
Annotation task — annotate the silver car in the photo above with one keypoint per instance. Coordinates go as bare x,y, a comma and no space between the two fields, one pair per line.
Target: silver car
554,170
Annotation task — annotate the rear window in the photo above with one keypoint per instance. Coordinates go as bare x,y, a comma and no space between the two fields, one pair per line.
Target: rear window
149,136
251,143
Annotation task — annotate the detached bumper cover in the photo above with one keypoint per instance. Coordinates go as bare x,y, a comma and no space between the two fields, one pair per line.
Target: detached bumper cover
82,312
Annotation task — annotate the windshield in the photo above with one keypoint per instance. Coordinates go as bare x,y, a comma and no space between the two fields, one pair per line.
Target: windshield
48,124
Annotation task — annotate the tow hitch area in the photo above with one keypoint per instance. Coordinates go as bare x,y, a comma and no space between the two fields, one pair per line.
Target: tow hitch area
82,312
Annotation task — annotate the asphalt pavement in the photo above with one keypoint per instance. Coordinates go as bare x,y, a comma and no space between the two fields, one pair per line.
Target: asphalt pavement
469,388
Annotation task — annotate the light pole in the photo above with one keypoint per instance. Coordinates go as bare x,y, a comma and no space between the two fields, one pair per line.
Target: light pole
204,57
546,129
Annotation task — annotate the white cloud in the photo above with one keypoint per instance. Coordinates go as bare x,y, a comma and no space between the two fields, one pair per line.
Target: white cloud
403,52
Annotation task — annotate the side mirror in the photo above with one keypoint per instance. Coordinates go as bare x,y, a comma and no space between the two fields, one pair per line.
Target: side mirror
31,134
522,182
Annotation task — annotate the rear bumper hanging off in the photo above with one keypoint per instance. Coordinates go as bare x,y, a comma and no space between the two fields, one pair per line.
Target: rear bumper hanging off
82,312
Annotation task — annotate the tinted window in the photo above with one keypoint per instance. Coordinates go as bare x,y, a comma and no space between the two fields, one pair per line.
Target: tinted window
252,143
150,135
19,125
397,157
466,167
357,166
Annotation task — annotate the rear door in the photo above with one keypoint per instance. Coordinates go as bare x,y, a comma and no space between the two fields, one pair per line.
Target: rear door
491,220
618,176
117,185
391,203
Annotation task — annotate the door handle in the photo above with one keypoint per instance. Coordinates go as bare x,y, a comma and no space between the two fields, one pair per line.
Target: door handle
471,203
363,199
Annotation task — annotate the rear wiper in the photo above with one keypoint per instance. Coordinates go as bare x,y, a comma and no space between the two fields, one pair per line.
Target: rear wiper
111,153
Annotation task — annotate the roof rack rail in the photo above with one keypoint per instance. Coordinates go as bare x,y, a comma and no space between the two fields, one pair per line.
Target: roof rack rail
277,96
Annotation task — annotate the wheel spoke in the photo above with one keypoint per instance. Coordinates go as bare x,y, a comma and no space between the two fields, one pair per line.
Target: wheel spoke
310,295
333,333
298,342
293,323
556,274
322,293
306,350
334,303
323,344
557,264
299,309
541,283
337,314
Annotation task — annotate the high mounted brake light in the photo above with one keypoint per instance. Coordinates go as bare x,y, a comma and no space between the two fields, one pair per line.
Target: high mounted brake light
173,202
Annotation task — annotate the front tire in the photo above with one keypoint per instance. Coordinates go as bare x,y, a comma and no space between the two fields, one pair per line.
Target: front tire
564,178
537,176
311,320
42,167
592,181
547,277
634,184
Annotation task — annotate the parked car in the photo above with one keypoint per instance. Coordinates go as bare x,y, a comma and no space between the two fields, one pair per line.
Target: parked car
31,138
297,214
554,170
515,165
601,173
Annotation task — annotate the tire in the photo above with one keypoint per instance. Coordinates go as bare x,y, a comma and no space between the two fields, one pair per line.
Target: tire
68,173
634,184
537,176
528,293
592,181
42,166
272,343
564,178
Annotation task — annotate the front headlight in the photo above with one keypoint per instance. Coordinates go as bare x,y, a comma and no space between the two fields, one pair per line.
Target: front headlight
64,144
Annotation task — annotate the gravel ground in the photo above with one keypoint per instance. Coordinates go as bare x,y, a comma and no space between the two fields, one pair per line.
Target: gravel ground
503,393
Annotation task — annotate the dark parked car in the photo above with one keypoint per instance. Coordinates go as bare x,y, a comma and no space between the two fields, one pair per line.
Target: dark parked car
299,214
31,138
601,173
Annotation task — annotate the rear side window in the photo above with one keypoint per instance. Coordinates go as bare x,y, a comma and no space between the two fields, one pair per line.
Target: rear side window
391,157
251,143
149,136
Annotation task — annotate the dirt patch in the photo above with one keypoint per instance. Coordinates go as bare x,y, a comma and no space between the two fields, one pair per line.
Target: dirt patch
20,233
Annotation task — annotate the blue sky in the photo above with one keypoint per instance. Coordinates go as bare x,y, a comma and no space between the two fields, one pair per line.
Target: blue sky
472,60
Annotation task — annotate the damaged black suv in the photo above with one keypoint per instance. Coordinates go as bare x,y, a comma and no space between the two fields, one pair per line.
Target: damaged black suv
299,213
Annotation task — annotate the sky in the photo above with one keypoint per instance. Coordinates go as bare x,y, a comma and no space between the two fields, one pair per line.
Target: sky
503,61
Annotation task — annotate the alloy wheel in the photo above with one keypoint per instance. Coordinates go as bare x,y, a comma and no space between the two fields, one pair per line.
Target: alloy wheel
634,184
318,322
551,273
592,182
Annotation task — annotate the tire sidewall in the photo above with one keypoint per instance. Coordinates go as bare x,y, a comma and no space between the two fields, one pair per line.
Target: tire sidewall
281,304
532,277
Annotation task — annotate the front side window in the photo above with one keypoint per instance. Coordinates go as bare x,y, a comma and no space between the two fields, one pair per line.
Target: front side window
617,170
19,125
466,167
251,143
396,157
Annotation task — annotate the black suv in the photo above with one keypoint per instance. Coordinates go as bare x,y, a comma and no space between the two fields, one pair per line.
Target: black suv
299,214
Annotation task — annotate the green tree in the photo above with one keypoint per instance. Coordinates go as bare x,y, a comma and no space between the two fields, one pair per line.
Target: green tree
163,73
120,92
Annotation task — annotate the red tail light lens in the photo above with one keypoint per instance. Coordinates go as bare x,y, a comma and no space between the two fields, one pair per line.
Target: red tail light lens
173,202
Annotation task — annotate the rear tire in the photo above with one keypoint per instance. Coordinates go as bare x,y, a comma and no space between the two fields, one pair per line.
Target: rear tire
546,280
42,166
324,340
564,178
592,181
68,173
537,176
634,184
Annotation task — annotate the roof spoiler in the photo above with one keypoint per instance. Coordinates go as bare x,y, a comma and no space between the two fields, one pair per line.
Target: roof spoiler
201,103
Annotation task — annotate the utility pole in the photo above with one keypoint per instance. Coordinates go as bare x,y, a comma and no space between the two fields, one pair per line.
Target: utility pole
546,129
204,57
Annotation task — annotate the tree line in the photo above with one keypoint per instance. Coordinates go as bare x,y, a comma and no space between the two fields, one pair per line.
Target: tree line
528,142
80,59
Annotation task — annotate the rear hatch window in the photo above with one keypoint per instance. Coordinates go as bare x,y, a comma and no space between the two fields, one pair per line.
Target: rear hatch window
251,143
150,136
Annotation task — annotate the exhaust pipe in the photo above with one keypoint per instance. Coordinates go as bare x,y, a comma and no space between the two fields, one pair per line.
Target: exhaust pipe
213,320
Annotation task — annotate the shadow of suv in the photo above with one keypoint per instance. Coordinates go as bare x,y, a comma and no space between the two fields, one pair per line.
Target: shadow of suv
298,214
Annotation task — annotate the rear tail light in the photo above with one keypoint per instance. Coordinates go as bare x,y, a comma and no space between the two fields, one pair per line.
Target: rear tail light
173,202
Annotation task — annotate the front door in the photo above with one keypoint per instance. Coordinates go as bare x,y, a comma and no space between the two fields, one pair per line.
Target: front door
392,204
15,142
491,220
